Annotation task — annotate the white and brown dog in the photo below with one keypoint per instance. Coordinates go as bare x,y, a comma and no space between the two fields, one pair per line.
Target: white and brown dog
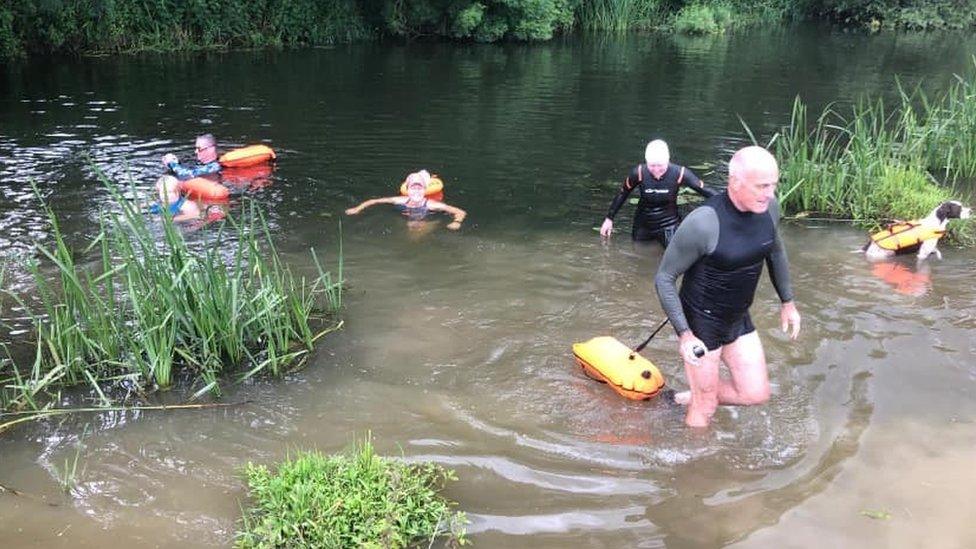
922,234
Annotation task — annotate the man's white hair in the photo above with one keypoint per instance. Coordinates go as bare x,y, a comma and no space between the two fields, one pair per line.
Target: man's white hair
752,159
657,152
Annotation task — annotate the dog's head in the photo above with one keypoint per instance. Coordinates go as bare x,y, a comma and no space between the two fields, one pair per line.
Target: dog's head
952,209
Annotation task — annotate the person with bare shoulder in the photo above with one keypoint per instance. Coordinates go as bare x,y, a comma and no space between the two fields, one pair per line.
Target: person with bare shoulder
416,206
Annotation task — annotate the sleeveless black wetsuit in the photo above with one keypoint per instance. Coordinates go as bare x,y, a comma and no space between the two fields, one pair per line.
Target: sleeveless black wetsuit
721,251
657,209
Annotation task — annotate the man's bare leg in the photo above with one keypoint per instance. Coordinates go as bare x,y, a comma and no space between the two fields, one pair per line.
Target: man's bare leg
746,361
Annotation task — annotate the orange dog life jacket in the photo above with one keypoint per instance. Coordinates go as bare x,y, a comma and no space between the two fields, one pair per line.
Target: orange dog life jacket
902,236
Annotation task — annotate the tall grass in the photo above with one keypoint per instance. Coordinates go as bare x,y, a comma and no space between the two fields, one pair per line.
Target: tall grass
619,15
155,308
873,164
348,500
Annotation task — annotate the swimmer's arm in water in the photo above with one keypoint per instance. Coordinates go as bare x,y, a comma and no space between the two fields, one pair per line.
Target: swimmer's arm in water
188,212
458,213
374,201
173,163
693,182
629,183
779,273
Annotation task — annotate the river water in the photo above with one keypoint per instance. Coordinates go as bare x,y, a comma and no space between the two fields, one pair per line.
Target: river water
456,345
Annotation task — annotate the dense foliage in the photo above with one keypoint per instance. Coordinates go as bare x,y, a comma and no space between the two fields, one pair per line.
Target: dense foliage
357,500
38,26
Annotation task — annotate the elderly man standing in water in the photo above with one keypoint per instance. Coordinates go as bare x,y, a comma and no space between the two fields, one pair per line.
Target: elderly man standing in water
720,249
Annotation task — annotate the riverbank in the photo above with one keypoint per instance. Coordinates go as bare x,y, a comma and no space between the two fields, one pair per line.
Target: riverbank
874,163
36,27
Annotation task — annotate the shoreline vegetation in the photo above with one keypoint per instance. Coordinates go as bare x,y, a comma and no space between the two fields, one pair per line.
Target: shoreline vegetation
350,499
38,27
141,309
871,163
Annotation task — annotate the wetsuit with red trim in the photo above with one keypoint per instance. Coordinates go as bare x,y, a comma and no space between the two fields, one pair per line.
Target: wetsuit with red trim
721,250
657,215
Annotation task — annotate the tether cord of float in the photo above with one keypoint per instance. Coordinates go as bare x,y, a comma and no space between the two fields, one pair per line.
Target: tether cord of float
640,347
699,352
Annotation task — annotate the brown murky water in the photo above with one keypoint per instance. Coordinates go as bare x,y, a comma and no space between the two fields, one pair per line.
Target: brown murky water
456,346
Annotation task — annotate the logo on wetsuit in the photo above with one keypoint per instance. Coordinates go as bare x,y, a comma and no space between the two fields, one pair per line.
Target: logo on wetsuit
656,191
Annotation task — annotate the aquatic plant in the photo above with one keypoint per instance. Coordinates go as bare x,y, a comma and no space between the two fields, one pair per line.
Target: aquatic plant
68,477
620,15
148,305
356,499
874,164
703,18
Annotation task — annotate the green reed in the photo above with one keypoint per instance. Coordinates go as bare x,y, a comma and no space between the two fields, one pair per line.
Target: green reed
873,164
150,306
355,499
619,15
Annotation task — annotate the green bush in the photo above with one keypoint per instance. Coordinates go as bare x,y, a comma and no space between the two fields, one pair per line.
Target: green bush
356,500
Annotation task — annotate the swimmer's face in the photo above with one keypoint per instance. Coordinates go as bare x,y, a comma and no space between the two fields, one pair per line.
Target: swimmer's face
206,152
753,190
657,169
415,192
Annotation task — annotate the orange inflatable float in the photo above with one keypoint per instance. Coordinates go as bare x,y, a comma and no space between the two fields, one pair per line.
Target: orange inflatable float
252,155
200,188
435,188
608,360
251,177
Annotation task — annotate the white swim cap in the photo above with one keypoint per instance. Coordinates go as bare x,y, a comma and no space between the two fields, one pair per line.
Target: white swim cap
657,152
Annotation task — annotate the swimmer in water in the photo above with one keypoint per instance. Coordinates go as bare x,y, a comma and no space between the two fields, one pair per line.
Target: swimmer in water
658,182
415,206
207,164
178,206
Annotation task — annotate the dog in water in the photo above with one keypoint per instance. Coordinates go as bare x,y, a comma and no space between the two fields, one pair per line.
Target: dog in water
921,235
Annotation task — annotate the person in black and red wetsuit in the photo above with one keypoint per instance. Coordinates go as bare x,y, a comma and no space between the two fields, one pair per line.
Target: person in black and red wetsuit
658,179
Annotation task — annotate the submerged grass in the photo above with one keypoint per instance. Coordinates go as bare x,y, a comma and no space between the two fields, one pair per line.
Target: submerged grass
154,307
357,499
874,164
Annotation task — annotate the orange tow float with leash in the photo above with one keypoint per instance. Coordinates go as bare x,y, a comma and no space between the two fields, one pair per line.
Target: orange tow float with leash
630,375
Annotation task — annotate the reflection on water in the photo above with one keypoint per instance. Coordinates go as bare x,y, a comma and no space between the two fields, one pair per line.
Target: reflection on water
456,346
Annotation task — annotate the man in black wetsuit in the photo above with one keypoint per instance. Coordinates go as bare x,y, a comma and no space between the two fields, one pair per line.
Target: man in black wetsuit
720,249
658,179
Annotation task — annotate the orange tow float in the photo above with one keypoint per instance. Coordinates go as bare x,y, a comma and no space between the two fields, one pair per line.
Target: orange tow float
251,155
201,188
435,188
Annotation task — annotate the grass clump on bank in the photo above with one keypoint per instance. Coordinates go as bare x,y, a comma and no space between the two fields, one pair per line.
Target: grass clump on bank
353,500
874,164
149,309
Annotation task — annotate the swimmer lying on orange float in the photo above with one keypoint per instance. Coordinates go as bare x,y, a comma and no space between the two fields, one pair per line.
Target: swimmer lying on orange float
171,199
416,204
